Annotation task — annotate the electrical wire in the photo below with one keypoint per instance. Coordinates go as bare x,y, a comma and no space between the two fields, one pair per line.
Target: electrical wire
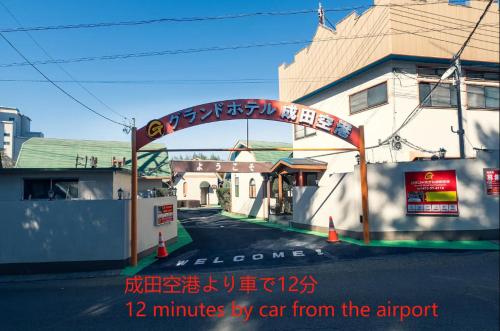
57,86
419,107
225,48
200,18
73,79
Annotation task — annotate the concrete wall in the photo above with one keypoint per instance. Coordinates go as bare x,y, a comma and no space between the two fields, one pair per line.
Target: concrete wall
66,231
244,204
338,195
148,231
62,230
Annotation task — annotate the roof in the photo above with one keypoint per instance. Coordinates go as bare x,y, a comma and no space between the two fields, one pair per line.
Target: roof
263,156
300,163
433,30
62,153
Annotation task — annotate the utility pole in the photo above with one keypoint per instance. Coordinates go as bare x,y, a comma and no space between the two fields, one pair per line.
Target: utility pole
460,131
133,198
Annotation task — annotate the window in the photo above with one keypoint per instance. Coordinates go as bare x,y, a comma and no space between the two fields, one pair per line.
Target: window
252,189
311,179
12,119
184,189
61,188
6,143
6,134
482,97
444,95
372,97
302,131
431,72
237,187
482,75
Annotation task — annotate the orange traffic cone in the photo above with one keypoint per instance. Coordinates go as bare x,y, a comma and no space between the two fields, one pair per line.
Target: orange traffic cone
333,237
162,249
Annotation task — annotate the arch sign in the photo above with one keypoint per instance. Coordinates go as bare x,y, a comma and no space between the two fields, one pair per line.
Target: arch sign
240,109
261,109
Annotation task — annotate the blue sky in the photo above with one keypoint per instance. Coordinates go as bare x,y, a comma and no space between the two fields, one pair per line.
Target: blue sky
59,117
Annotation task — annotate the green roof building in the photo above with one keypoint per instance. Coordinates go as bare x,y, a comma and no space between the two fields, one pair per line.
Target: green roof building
263,156
66,153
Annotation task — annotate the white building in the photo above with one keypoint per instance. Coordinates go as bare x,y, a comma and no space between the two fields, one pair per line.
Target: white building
374,70
195,189
14,131
247,190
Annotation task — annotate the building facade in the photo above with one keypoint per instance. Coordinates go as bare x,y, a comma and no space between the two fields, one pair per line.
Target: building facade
15,129
196,189
248,190
382,69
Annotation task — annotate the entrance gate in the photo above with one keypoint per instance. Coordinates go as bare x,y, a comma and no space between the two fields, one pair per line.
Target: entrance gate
239,109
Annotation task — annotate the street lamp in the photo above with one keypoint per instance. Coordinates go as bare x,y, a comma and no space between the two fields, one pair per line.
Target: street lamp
120,193
442,153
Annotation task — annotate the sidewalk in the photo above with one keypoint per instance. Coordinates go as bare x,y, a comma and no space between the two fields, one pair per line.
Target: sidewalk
426,244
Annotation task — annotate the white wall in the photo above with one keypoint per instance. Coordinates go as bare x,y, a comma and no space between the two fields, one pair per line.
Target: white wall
430,129
386,191
148,231
244,204
77,230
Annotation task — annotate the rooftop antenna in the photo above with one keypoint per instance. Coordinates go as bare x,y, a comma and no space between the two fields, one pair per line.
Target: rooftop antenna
321,14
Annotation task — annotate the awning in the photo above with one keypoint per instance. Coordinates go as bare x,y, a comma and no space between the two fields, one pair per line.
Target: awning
296,164
204,184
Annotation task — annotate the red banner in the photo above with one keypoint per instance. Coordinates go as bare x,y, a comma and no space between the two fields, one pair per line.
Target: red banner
431,193
492,181
248,109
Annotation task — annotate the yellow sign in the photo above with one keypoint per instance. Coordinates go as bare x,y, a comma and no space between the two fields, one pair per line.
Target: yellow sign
155,129
441,196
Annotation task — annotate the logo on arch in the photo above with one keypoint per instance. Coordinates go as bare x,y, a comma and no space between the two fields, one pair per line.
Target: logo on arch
155,129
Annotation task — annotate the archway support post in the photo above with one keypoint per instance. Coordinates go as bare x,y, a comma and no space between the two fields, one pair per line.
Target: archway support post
133,201
364,185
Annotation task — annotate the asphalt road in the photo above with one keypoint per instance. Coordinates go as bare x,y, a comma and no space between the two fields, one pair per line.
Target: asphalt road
463,284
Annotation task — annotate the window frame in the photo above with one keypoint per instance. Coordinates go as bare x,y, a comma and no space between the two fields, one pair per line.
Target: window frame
428,82
252,189
184,189
236,186
386,102
469,107
51,181
311,133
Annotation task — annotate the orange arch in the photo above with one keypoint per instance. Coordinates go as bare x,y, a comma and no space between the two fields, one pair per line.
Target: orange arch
263,109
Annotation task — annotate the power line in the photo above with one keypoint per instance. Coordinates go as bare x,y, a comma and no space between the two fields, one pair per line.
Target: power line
57,86
234,47
200,18
59,66
473,30
419,107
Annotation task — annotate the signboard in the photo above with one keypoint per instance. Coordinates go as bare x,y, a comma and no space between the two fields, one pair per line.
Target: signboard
431,193
492,181
220,166
248,109
164,214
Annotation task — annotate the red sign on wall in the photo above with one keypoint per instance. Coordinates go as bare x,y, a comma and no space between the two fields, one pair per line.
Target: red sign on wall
431,193
492,181
164,214
248,109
